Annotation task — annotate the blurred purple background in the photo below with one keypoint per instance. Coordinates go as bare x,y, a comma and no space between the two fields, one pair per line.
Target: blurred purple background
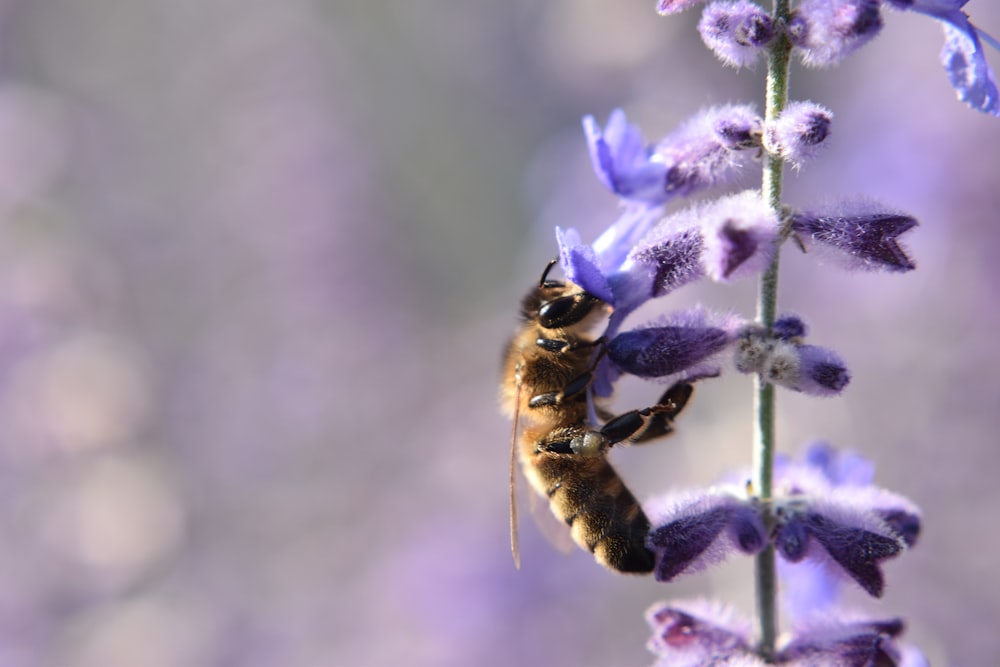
257,264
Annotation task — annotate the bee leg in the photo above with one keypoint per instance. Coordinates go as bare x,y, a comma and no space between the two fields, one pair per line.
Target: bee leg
577,385
639,426
558,346
660,424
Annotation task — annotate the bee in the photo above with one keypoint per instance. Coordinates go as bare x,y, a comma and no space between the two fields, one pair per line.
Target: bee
547,370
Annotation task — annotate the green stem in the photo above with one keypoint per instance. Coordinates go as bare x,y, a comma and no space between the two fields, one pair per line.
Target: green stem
767,303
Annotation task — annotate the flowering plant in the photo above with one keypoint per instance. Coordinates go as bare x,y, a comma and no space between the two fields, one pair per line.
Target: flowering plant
817,522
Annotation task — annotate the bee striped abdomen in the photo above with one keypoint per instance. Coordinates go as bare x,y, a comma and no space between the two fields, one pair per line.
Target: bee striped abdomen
603,515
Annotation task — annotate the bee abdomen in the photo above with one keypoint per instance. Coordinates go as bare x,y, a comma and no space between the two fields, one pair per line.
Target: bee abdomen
606,519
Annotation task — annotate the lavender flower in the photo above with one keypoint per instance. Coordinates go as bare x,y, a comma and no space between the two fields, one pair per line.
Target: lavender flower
826,31
694,633
724,239
862,234
736,31
841,530
962,56
784,360
798,133
709,148
697,633
693,531
813,586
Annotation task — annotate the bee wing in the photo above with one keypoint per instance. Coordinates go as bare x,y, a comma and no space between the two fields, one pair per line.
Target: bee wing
556,532
515,548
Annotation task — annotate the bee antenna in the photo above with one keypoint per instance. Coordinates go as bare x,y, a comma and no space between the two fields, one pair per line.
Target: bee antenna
545,273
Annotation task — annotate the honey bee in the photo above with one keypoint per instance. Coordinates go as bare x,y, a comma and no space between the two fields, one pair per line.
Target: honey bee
547,370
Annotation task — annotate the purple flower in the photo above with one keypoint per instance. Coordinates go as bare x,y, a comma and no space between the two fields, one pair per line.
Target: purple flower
962,56
684,340
854,643
694,531
622,160
785,360
827,31
839,537
702,152
789,327
694,633
843,478
709,148
840,531
736,31
861,234
798,133
724,239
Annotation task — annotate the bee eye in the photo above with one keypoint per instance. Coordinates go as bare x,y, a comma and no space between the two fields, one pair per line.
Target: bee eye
566,310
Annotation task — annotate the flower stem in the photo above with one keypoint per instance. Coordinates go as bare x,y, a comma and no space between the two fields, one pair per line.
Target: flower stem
767,303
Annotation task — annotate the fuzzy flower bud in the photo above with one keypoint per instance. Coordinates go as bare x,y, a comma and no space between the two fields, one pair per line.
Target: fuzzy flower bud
736,31
798,133
683,340
784,360
862,234
827,31
708,149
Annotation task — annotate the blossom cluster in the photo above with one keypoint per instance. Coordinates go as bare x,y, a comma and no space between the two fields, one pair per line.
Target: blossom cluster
647,253
825,32
824,519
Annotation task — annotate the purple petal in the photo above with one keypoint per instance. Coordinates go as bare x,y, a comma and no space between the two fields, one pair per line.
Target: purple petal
622,161
840,467
969,73
579,264
855,548
618,240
